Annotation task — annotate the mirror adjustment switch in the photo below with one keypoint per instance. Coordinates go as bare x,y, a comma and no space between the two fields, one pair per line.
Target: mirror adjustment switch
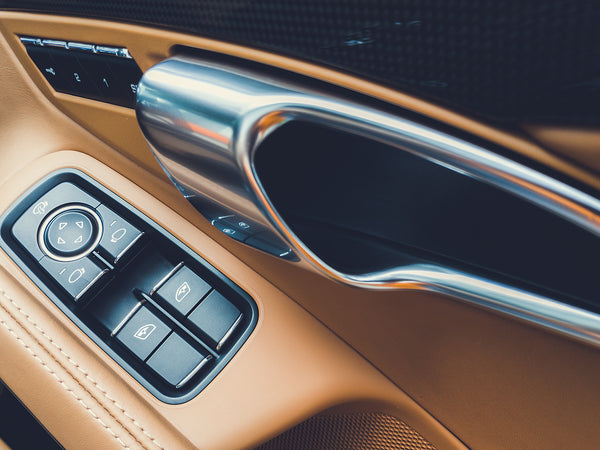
176,361
143,333
184,290
118,236
76,277
217,318
25,229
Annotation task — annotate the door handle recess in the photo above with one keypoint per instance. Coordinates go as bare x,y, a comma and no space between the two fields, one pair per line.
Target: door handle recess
204,122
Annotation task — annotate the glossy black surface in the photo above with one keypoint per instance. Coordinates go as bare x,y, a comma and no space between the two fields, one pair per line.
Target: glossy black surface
503,60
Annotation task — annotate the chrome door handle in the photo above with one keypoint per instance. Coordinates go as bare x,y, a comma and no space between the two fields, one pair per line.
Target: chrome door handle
204,122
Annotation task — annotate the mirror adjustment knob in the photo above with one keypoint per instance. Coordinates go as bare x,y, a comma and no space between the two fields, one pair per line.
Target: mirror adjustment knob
70,233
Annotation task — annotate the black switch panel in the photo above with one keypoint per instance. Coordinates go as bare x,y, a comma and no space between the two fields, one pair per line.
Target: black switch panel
107,74
159,310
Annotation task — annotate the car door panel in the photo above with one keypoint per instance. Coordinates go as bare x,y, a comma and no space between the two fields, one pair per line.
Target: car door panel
455,374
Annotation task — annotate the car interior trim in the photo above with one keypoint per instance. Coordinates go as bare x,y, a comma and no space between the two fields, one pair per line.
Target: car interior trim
224,112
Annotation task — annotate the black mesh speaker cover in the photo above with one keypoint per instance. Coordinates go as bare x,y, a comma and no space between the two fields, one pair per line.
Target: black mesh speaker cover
356,431
504,60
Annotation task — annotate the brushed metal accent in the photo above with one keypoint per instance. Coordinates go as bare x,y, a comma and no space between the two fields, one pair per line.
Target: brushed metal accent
229,332
164,279
204,122
128,316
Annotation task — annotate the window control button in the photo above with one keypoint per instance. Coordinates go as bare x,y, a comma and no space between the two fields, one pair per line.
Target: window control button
184,290
143,332
216,317
76,277
176,361
118,235
112,311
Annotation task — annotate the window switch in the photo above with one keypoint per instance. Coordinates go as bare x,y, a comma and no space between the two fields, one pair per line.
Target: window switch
216,317
176,361
143,333
184,290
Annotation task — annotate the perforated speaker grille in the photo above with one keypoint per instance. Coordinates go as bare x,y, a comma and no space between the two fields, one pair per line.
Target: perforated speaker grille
501,59
370,430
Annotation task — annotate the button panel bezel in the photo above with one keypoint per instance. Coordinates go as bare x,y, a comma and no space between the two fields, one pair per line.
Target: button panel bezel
160,240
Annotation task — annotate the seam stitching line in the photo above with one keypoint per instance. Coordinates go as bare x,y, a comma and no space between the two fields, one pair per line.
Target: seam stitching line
86,374
61,382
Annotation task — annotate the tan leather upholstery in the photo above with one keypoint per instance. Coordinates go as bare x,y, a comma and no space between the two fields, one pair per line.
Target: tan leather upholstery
290,367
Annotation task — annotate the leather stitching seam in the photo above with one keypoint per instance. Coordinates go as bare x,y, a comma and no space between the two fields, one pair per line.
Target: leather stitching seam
78,367
59,380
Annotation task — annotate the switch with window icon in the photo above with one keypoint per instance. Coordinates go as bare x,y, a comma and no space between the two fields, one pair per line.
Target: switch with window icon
184,290
143,333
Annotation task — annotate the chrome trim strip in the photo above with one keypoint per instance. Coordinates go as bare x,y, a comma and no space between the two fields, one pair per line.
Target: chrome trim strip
114,51
129,246
90,284
194,371
125,319
165,278
26,40
80,46
54,43
229,332
198,115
